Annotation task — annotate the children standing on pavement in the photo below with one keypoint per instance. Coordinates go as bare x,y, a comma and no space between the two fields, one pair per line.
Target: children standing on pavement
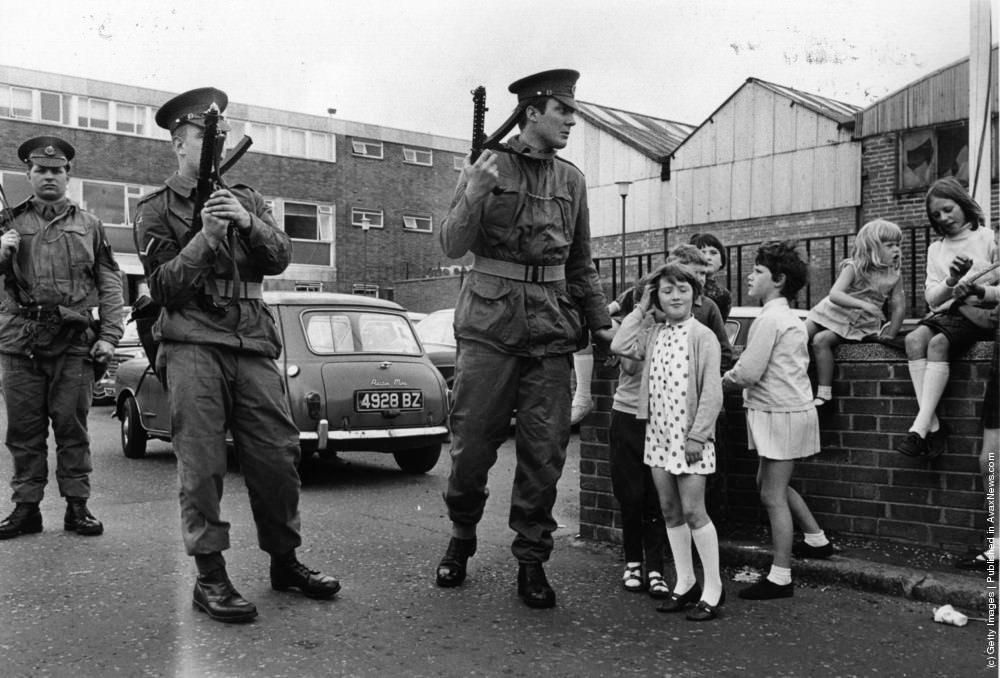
781,420
680,397
715,252
963,251
853,309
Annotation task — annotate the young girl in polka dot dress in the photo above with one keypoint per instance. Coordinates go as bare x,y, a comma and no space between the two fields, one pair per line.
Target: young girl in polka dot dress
680,397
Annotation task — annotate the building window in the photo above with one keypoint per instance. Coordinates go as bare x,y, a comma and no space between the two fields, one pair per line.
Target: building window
237,130
367,149
374,218
129,118
294,142
308,286
112,203
93,113
16,187
305,221
54,107
16,102
458,163
414,222
321,146
416,156
927,155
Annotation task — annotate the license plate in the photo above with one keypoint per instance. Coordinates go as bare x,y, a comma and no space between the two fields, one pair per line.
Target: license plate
376,401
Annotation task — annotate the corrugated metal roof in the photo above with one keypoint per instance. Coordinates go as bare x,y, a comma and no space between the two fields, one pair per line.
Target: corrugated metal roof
831,108
941,96
654,137
838,111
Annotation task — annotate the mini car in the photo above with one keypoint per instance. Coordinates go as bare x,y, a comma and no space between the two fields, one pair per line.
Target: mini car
356,375
739,321
437,334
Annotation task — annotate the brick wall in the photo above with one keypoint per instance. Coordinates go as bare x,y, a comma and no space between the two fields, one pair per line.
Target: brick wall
857,484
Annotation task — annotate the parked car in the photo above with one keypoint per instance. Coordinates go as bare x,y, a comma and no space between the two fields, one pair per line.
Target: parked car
356,377
437,334
129,347
739,321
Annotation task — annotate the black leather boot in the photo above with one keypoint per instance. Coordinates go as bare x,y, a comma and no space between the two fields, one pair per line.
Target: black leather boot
533,586
24,519
215,596
451,569
289,573
79,519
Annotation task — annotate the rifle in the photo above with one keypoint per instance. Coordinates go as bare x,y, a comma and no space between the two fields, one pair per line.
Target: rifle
210,173
481,142
15,282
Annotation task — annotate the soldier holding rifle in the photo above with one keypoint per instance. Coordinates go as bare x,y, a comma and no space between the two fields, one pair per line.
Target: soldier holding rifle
525,307
216,355
57,267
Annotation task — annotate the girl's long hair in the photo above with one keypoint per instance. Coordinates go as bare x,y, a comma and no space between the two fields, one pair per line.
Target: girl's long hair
951,189
865,253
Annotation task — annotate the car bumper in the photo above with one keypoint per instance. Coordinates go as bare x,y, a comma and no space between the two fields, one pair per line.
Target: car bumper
323,436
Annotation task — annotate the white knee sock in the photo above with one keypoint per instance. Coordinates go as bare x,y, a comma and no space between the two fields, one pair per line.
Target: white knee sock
680,546
918,370
935,381
706,540
780,575
583,365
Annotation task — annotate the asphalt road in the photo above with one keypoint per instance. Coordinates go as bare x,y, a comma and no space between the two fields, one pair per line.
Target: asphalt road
119,604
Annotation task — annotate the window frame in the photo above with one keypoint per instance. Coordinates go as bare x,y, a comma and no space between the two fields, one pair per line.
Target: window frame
415,153
364,145
358,212
415,216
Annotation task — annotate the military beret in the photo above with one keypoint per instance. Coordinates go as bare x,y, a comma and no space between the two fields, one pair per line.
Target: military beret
190,108
46,151
559,83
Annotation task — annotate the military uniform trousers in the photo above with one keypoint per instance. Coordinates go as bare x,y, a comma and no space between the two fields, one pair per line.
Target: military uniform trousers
489,387
36,391
213,389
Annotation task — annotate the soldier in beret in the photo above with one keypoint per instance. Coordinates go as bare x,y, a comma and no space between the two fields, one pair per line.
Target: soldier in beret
217,363
525,307
57,268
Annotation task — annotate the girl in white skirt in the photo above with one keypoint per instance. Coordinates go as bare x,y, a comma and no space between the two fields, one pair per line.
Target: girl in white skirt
680,396
781,419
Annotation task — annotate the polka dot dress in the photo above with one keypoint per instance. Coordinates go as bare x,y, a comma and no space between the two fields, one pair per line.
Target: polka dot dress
666,431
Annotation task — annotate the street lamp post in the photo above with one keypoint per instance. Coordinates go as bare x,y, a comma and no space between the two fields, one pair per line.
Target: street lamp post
623,192
365,225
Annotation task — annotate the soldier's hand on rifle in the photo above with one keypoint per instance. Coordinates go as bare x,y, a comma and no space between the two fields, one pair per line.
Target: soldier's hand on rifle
9,243
224,205
481,176
102,351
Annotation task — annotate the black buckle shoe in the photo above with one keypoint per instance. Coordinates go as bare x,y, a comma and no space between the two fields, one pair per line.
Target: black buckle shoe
533,586
451,569
295,575
79,519
24,519
216,597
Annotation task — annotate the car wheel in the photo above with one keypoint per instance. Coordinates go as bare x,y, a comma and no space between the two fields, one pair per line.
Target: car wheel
133,434
420,460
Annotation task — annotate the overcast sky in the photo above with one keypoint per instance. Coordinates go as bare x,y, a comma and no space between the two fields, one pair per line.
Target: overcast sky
411,63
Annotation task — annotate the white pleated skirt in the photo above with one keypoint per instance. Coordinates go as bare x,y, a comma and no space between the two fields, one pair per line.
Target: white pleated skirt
783,436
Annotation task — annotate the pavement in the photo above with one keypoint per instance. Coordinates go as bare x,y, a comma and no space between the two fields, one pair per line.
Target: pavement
878,567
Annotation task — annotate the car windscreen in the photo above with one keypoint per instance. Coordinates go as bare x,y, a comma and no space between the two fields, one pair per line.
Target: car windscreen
337,331
437,328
